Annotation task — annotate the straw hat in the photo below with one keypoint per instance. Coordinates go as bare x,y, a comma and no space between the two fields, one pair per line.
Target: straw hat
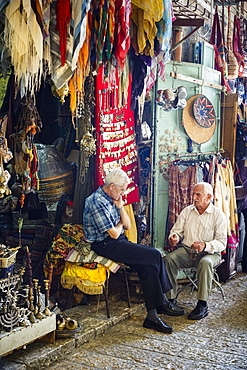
199,119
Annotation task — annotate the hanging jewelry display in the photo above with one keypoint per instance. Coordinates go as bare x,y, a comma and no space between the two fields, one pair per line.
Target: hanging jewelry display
115,128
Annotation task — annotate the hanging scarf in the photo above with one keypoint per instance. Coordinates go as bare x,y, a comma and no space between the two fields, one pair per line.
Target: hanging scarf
63,19
237,49
122,31
60,74
145,14
80,10
26,45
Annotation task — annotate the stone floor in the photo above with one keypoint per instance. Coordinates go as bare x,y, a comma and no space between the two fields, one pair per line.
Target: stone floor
219,341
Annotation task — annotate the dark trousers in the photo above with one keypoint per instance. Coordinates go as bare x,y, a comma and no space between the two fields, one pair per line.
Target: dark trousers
148,263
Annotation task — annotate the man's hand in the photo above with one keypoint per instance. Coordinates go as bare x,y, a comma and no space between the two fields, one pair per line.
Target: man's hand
173,240
198,246
119,203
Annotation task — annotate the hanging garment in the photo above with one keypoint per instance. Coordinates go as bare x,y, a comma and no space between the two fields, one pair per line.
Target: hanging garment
145,14
216,40
237,48
122,31
165,26
225,199
232,62
180,191
243,41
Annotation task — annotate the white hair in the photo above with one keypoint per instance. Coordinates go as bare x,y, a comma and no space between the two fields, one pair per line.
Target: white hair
117,177
208,189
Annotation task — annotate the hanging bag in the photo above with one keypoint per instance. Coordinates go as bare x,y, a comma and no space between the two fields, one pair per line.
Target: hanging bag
216,40
237,48
232,62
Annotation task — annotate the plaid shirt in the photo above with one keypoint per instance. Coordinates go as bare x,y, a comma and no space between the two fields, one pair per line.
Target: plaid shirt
100,215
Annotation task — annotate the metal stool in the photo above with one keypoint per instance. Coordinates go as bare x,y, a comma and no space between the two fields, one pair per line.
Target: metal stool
193,279
105,290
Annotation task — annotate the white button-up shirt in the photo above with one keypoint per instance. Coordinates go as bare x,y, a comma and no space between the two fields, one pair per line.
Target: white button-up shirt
209,227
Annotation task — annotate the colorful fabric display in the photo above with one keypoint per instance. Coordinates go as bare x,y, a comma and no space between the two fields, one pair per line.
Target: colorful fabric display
76,257
87,280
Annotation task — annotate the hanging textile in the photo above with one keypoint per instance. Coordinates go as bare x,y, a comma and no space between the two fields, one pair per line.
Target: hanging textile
26,45
243,41
225,199
145,14
232,62
79,10
63,19
132,232
216,40
165,26
115,132
60,73
180,192
76,83
237,49
122,31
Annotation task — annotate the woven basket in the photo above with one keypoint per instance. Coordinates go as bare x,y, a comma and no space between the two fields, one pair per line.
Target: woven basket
8,261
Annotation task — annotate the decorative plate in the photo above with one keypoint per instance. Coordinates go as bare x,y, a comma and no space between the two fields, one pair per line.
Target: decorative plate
203,111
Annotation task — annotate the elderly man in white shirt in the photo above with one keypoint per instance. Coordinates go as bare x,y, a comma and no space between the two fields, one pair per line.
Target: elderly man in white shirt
201,232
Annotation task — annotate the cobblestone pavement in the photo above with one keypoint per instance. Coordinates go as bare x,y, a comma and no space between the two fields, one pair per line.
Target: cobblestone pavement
218,341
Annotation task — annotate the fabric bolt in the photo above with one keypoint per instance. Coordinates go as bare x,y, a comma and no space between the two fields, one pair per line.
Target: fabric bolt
225,200
180,191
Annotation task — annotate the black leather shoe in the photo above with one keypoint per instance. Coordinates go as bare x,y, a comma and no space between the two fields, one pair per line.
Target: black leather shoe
198,313
157,325
171,309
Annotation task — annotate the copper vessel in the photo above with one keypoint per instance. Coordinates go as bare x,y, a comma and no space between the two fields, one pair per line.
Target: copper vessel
55,174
